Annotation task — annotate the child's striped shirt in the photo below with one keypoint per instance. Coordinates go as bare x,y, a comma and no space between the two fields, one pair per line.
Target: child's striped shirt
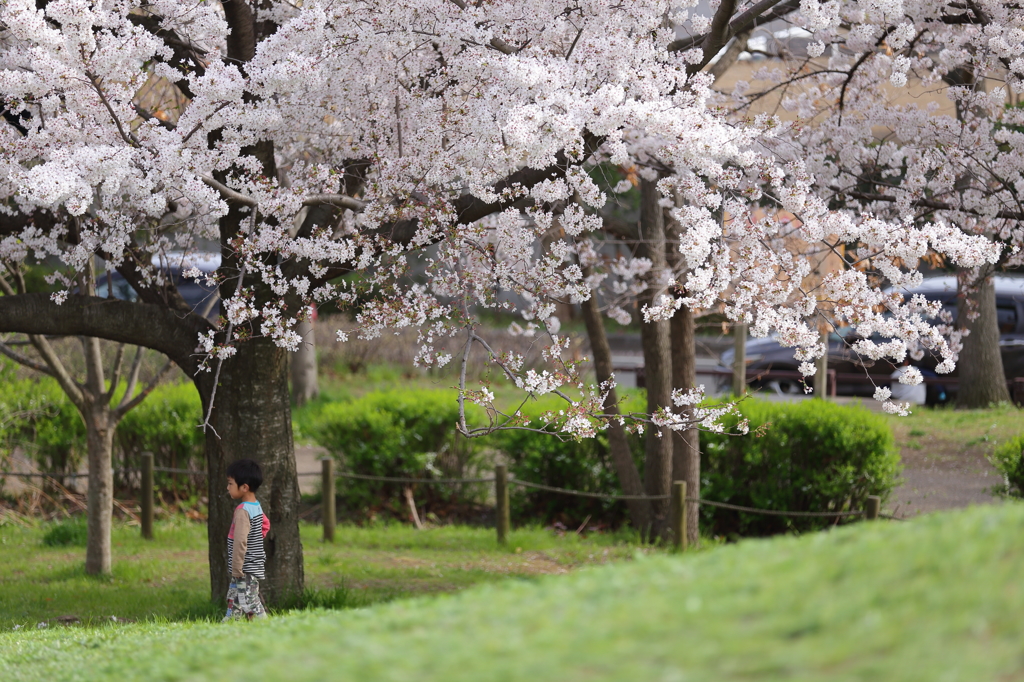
245,540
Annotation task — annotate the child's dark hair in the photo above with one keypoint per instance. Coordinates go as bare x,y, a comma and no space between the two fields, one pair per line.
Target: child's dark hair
246,472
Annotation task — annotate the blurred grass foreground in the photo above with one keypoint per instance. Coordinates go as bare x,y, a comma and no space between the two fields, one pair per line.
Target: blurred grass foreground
936,598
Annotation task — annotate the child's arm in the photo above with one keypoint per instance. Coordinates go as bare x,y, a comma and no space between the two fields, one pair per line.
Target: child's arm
241,522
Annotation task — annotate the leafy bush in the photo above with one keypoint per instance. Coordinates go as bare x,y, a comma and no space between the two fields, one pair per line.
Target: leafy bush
164,424
70,533
408,434
1008,458
544,458
42,421
807,456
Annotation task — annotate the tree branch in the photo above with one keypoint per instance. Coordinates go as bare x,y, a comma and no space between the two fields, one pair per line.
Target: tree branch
937,205
139,324
133,375
24,360
126,407
765,10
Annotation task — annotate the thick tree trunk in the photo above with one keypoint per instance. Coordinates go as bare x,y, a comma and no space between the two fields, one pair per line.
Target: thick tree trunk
657,348
252,419
100,496
305,386
618,445
982,382
686,452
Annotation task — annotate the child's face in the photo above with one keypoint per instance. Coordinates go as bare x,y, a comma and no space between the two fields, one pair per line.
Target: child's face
236,491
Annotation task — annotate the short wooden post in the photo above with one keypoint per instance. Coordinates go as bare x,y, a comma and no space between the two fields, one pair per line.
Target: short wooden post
821,376
739,362
327,498
678,511
872,507
147,495
501,499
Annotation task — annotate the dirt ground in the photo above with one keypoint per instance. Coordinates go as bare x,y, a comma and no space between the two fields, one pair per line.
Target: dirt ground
939,478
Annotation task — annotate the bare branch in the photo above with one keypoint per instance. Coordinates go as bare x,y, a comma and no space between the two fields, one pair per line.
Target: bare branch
24,360
126,407
115,372
71,387
133,376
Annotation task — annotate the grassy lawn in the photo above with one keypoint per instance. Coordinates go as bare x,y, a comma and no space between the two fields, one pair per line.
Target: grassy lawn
946,432
935,598
167,578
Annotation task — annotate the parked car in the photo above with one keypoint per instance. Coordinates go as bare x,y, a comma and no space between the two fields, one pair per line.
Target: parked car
199,296
764,355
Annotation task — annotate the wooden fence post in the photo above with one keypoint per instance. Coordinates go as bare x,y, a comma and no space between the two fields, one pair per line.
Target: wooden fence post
872,507
147,495
678,511
327,507
739,362
501,499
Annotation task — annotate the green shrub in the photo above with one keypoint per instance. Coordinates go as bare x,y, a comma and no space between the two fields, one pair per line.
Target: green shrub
47,426
807,456
73,532
1008,458
410,434
164,424
549,460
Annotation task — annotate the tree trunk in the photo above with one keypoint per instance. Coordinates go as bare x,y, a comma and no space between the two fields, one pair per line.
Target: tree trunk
657,348
618,445
686,452
100,496
305,386
982,382
252,420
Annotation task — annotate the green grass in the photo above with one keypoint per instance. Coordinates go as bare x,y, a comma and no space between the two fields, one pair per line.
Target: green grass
952,432
167,578
936,598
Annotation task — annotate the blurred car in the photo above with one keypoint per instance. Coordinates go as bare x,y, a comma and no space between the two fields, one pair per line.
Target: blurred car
767,354
200,296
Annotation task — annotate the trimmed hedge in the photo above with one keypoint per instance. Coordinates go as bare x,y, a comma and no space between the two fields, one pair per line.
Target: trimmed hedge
47,426
165,423
408,434
544,458
811,455
1008,458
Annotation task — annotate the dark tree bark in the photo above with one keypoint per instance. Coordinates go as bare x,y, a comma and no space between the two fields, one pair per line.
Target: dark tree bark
252,420
982,382
618,445
686,451
657,347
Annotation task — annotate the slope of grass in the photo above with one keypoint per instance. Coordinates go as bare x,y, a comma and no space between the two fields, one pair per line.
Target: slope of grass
936,598
168,577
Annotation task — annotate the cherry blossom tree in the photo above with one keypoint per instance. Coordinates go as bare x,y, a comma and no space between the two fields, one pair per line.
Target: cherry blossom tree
330,150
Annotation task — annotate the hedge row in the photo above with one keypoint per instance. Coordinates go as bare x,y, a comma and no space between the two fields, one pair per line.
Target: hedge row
42,421
807,456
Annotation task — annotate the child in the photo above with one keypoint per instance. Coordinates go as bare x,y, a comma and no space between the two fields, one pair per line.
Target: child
245,542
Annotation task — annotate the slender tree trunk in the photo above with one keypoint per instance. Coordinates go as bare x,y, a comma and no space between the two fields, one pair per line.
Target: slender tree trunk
618,445
982,382
657,347
305,386
100,497
252,419
686,452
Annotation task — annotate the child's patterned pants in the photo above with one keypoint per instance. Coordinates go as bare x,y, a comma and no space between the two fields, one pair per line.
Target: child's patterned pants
244,599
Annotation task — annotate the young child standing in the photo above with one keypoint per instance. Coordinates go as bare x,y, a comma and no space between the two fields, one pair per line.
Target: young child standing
249,526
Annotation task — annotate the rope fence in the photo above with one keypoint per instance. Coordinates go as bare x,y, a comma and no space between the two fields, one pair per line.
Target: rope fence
501,481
